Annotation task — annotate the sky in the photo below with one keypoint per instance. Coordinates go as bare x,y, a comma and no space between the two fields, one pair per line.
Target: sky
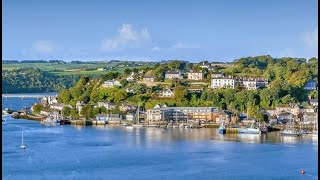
193,30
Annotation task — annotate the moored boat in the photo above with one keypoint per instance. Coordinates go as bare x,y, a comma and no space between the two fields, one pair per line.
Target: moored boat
222,128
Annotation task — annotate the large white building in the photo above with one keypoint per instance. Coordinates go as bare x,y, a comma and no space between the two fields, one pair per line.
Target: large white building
111,83
245,83
222,82
173,74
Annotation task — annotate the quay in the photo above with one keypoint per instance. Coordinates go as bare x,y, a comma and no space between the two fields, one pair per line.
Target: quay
22,96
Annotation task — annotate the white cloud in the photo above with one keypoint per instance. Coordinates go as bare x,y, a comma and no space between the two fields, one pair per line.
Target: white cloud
44,47
176,46
179,45
311,38
127,37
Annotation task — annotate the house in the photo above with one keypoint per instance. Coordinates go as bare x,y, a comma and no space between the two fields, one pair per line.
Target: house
109,118
223,117
149,78
222,82
130,78
59,107
129,90
167,93
284,117
130,117
111,84
310,117
216,74
48,100
101,69
79,106
44,112
313,102
196,76
106,104
311,85
160,114
308,109
205,64
126,107
173,74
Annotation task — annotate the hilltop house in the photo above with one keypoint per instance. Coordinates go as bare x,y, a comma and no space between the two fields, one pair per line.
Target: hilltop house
166,93
130,78
216,74
148,78
223,82
197,76
111,83
173,74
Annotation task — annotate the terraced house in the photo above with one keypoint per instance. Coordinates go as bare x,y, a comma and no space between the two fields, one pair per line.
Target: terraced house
181,114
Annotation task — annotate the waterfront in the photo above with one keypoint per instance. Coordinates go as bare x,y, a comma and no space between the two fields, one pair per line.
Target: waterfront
98,152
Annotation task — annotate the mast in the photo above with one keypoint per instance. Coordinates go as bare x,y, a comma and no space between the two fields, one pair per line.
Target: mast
22,138
138,111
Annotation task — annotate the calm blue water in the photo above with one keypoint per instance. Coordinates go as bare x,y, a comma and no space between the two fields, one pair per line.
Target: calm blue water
70,152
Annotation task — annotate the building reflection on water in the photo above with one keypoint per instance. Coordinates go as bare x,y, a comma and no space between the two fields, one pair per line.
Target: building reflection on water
151,137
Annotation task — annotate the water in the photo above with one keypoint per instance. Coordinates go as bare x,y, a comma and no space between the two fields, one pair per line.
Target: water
73,152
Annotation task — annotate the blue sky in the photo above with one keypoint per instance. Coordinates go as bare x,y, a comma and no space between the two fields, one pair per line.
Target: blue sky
191,30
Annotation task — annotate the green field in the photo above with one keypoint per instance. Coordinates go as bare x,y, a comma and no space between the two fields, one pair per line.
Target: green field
60,69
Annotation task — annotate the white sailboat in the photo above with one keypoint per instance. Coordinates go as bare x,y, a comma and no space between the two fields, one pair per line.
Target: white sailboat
315,128
137,118
289,131
22,145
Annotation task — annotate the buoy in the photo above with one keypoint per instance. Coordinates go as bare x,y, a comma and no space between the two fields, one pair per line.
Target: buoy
302,171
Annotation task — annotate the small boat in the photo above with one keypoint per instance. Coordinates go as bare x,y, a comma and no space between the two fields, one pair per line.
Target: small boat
175,126
222,128
263,128
22,145
7,111
250,130
129,127
289,132
186,127
137,125
181,126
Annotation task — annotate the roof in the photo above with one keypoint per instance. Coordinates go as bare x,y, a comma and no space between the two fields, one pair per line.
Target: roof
313,100
172,72
148,76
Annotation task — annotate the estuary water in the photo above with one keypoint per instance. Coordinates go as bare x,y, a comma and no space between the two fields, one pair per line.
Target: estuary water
98,152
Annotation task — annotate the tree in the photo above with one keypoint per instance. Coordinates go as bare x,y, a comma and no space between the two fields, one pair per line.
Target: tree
103,109
66,111
127,71
194,102
96,111
37,108
180,93
120,95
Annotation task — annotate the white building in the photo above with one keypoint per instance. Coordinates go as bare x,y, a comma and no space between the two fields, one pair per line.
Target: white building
148,78
167,93
111,83
130,78
106,104
222,82
173,74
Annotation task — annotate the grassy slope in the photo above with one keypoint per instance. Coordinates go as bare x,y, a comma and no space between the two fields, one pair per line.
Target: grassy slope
58,69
